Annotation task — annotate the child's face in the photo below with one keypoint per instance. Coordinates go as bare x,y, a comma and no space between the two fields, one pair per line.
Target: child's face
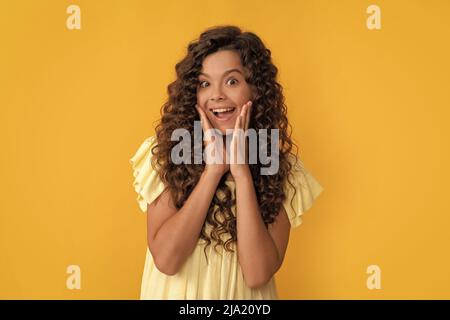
221,89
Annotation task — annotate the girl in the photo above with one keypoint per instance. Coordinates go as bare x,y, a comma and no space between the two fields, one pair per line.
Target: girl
220,230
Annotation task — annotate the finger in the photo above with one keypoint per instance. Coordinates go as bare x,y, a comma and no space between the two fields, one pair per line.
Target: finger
234,140
203,118
201,114
245,122
237,129
240,145
237,124
244,118
244,107
248,116
205,124
245,114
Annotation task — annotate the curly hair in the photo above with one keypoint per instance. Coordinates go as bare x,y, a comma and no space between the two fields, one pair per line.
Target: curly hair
269,112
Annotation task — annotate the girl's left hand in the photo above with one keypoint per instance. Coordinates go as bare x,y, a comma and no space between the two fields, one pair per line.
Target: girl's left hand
239,146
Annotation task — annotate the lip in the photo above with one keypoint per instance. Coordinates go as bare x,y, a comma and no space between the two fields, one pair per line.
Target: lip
226,118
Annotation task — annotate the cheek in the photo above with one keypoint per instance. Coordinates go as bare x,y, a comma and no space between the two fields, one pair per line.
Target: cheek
201,102
242,96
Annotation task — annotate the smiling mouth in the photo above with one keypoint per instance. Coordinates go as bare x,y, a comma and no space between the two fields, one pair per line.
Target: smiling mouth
223,113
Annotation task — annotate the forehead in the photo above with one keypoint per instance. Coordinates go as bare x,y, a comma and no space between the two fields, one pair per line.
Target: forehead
218,62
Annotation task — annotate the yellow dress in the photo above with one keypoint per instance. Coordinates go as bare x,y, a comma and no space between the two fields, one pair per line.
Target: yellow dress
222,277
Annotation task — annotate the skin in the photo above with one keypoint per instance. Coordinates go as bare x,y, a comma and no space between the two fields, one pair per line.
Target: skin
173,237
222,83
217,87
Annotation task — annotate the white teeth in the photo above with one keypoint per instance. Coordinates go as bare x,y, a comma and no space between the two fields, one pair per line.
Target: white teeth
222,110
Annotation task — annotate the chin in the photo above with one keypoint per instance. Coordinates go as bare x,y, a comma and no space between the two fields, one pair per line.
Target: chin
223,127
223,130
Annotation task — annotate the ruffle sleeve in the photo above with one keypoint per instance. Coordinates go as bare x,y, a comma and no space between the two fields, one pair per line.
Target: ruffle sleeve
308,189
147,182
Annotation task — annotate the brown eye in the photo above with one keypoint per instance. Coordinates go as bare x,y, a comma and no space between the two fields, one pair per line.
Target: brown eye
232,79
201,84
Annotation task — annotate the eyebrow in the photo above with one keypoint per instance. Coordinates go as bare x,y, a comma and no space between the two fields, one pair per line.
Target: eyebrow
225,73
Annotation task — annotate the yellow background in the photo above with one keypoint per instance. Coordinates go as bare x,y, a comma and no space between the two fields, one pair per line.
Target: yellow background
369,110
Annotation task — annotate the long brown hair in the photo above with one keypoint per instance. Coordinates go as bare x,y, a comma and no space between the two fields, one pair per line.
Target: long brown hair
269,112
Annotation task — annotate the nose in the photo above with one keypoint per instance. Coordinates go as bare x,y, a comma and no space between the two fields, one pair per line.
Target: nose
217,95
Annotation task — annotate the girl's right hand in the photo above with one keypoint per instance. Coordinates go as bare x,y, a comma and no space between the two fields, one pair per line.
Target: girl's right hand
221,167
